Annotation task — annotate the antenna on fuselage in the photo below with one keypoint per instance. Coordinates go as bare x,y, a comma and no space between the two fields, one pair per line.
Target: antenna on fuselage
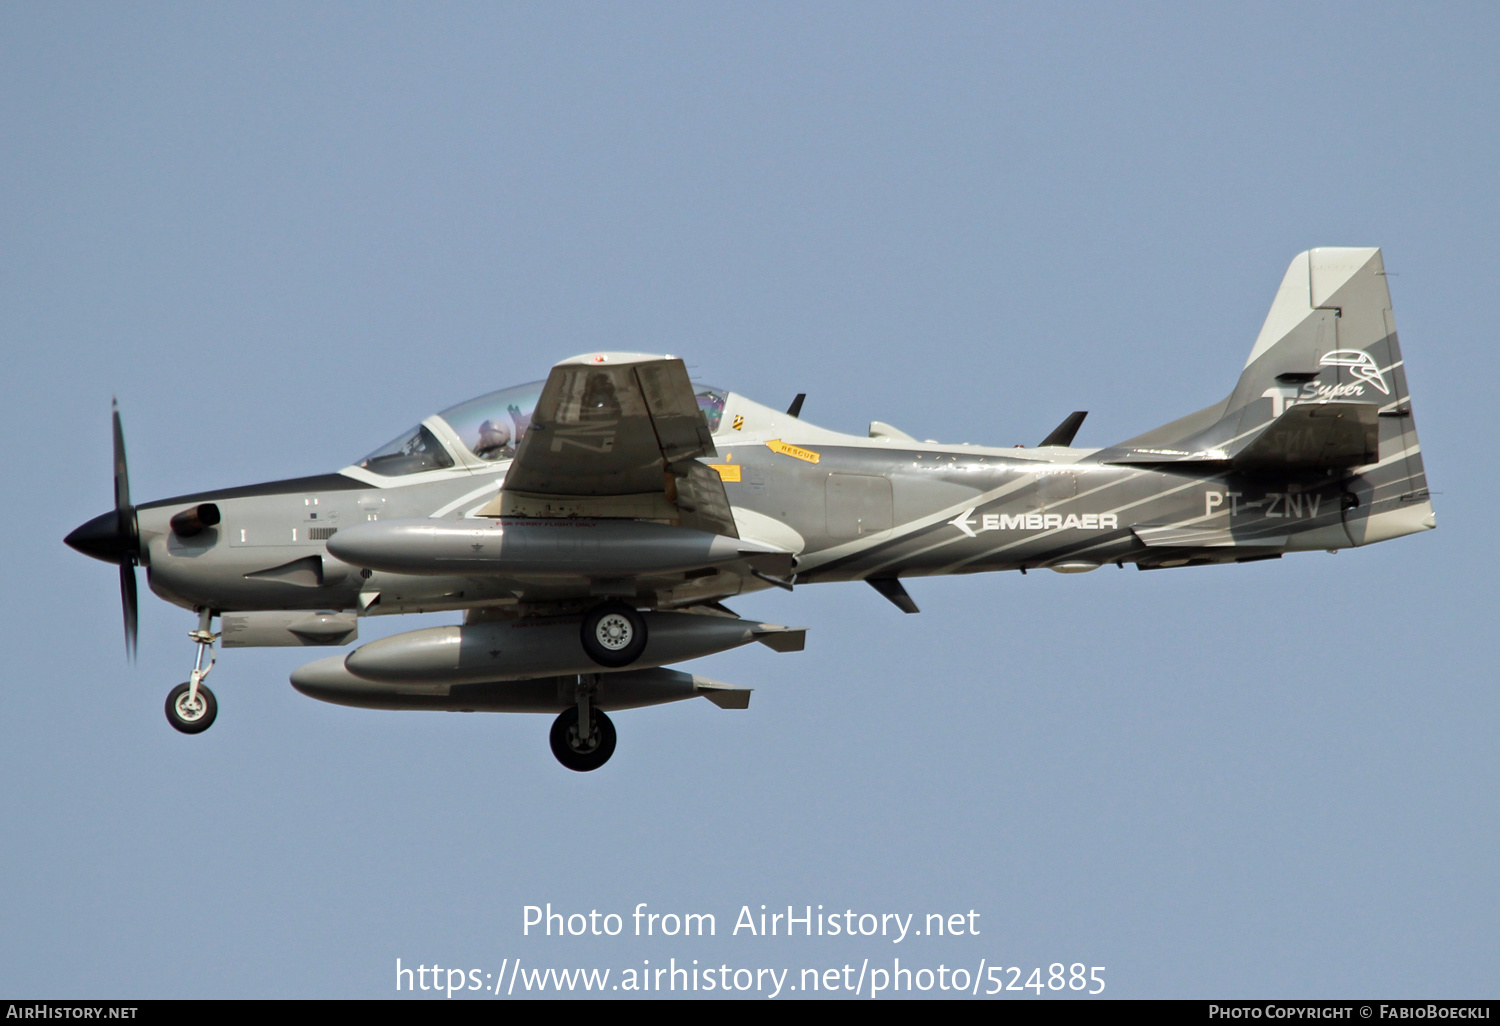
1064,432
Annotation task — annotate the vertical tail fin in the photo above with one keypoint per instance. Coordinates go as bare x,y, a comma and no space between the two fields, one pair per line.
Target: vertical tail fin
1329,337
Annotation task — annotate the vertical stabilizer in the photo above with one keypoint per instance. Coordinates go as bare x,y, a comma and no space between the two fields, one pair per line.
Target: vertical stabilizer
1330,337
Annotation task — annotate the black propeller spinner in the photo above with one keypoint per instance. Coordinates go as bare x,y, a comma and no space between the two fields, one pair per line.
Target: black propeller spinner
114,537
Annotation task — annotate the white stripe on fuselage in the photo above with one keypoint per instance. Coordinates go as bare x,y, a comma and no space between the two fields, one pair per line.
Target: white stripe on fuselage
484,490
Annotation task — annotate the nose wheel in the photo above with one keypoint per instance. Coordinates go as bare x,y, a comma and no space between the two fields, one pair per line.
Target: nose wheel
191,707
191,711
583,738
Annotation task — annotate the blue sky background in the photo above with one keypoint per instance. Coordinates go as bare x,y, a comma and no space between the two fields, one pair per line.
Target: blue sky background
282,233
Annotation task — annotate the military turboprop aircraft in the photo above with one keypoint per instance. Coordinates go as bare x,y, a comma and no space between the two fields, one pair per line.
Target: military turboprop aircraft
591,526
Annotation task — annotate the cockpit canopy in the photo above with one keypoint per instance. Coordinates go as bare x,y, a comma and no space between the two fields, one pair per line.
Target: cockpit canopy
493,425
490,428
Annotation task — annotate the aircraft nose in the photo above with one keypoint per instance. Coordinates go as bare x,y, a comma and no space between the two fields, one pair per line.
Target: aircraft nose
101,538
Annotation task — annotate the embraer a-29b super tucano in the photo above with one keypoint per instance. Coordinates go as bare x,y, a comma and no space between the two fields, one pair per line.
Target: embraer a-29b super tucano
591,526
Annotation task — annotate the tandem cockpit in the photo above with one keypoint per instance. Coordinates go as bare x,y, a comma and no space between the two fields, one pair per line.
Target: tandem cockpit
483,432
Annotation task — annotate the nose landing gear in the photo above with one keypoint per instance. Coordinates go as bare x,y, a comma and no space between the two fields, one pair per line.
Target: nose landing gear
583,738
191,707
190,712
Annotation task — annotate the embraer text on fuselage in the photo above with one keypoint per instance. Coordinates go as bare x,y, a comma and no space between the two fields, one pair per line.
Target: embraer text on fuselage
973,526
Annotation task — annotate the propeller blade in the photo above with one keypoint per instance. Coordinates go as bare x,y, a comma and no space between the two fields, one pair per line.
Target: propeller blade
128,603
122,476
125,525
127,533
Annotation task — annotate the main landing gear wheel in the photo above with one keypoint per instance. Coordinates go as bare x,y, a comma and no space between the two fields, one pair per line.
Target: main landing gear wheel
614,634
583,754
194,717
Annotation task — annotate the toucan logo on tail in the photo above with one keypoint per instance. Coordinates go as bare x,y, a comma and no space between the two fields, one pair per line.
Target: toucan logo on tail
1360,364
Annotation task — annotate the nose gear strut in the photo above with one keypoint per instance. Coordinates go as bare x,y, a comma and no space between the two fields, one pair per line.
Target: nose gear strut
583,738
191,707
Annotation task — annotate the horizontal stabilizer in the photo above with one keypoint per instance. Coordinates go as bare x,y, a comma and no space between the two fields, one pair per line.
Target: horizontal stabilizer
1315,436
1305,436
1166,457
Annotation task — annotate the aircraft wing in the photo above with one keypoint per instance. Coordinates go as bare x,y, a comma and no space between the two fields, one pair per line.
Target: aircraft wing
617,435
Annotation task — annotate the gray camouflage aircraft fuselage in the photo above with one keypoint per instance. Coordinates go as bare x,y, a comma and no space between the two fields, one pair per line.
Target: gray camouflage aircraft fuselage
592,525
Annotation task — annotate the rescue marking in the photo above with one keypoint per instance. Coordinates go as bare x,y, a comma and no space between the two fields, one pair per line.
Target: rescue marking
794,451
729,472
